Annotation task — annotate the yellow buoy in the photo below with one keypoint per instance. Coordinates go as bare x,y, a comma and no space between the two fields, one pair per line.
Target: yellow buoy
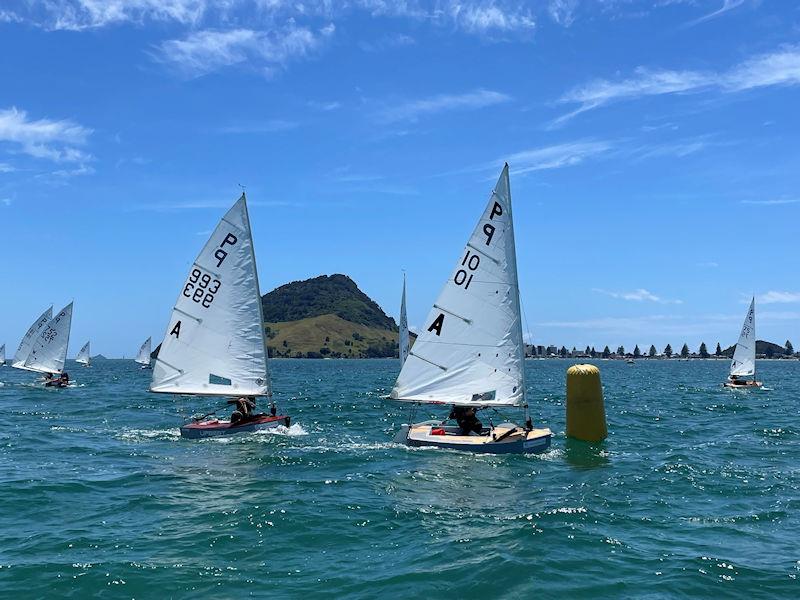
586,412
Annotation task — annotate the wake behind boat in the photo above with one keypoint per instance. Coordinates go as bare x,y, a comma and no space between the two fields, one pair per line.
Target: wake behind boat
743,364
471,355
215,344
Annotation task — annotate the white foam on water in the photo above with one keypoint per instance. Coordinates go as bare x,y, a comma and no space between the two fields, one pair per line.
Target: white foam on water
139,435
295,429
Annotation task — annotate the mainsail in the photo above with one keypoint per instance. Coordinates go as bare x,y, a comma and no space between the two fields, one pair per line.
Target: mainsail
215,342
49,351
143,358
83,355
403,337
470,352
744,356
30,336
3,354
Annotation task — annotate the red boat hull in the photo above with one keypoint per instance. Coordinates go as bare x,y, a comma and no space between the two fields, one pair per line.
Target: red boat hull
216,427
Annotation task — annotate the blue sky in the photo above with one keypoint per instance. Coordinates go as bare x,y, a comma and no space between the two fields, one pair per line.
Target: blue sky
654,164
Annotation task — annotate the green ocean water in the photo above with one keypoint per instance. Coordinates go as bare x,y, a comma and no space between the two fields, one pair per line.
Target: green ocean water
695,493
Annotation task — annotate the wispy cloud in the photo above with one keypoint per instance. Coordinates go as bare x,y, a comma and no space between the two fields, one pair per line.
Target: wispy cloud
637,295
44,138
7,168
413,110
269,126
773,202
727,5
775,297
562,11
386,42
780,68
205,51
5,201
556,156
324,106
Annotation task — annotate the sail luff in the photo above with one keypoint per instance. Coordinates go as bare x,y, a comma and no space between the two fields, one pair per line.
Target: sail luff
402,339
25,345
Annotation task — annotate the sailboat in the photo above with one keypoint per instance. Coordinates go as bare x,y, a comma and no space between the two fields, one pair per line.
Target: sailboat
143,357
403,337
18,362
83,356
49,349
215,343
2,355
743,364
471,353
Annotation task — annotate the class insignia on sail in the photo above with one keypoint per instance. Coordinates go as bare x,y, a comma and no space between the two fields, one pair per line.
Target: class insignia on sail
743,363
215,343
470,351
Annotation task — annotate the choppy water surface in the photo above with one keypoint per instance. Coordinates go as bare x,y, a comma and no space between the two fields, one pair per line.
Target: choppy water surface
696,492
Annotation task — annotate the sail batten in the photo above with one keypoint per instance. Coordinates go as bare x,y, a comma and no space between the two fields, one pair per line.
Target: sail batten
743,363
222,351
49,350
470,350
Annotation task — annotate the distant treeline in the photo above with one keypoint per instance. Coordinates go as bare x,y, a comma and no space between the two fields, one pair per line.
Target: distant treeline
763,349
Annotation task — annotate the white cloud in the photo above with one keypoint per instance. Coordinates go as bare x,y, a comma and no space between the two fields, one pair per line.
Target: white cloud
555,157
775,297
773,202
482,17
205,51
562,11
726,6
780,68
76,15
44,138
638,295
413,110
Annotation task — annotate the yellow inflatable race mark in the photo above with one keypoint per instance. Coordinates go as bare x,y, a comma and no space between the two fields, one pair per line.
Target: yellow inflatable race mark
586,412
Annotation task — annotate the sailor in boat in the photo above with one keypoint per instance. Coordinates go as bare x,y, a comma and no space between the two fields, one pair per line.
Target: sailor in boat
467,419
62,381
244,409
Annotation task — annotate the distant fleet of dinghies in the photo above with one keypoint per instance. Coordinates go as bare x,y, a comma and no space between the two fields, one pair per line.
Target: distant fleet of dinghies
469,355
143,356
743,364
215,343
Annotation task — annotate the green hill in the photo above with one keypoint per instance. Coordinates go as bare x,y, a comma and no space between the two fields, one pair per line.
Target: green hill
767,349
324,295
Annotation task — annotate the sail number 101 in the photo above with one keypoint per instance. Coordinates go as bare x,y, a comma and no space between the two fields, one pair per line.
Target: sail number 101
201,288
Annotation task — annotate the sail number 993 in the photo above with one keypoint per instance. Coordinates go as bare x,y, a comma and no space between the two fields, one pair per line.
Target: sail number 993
201,288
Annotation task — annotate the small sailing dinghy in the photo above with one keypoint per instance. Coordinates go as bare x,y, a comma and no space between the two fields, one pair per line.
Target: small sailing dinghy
215,343
471,353
2,355
49,349
143,358
83,356
743,364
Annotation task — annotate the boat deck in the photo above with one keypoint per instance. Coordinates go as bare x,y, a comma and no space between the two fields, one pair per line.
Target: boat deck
505,438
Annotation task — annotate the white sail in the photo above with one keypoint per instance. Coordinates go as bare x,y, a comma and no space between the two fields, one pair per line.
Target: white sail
30,336
470,351
3,354
403,337
49,351
744,356
215,342
143,358
83,355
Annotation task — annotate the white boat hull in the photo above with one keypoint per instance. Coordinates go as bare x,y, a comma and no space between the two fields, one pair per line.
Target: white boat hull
503,439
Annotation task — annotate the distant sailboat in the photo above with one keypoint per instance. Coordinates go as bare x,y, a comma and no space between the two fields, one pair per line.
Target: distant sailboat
743,364
471,353
2,355
143,358
403,337
49,350
18,362
215,344
83,357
